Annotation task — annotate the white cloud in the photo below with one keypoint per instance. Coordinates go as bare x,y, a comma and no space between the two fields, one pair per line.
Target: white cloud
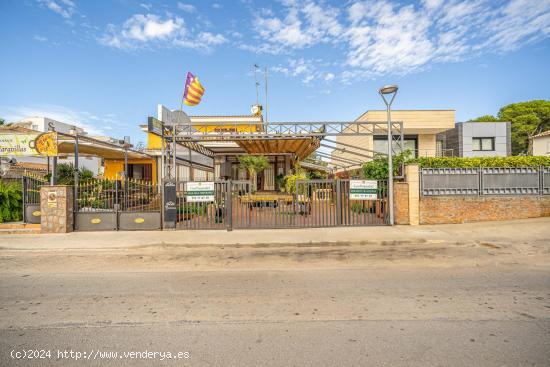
329,77
40,38
216,6
377,37
306,70
304,25
65,8
141,31
187,7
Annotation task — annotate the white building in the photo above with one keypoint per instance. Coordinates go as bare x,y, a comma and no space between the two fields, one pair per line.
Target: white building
541,143
43,124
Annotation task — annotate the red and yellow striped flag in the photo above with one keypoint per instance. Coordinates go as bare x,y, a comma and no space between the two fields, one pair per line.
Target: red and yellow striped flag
193,90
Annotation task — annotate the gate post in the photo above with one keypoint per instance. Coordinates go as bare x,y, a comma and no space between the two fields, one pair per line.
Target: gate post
24,183
169,207
228,206
56,205
338,203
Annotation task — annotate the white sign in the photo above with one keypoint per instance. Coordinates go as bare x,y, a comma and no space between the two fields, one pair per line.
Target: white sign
363,189
171,118
200,192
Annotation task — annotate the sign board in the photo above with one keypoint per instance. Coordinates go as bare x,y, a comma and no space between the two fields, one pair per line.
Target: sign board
171,118
52,199
363,189
155,126
169,206
25,145
200,192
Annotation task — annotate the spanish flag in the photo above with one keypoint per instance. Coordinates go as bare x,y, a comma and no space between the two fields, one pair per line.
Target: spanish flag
193,90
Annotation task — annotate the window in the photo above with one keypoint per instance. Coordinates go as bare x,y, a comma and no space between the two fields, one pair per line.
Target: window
381,144
483,144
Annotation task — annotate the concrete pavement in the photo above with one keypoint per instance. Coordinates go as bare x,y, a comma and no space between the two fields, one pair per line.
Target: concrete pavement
526,230
457,295
492,316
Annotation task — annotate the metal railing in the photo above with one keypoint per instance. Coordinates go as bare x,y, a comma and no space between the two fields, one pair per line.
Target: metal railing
104,195
485,181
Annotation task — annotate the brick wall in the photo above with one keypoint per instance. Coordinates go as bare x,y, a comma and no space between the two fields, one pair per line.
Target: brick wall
463,209
401,202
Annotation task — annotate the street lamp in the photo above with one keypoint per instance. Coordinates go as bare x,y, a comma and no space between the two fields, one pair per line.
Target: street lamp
387,90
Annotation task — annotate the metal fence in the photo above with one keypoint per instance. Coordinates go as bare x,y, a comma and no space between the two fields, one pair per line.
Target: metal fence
314,203
103,204
31,198
485,181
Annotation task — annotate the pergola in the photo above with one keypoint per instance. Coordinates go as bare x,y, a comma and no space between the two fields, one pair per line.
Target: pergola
298,138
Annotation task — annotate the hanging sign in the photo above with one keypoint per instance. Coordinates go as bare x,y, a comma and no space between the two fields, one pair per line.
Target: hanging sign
363,189
200,192
25,145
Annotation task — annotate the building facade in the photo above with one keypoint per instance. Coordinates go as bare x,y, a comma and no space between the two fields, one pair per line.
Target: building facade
478,139
420,129
541,143
45,124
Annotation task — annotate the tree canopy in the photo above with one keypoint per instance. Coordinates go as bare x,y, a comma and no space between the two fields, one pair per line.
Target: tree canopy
527,119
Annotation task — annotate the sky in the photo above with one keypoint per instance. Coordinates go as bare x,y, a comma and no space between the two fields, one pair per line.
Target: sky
105,65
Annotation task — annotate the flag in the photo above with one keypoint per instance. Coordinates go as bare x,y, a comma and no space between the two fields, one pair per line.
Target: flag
193,90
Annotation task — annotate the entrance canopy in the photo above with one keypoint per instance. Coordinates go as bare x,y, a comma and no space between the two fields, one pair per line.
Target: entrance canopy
302,147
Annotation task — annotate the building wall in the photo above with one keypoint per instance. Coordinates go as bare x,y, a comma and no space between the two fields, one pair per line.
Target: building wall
500,131
541,145
427,145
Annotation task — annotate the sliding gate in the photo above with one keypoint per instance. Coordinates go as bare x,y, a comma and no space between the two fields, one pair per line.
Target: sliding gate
314,203
104,205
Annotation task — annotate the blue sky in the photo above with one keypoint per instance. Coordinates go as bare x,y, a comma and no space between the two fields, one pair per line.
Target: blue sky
107,64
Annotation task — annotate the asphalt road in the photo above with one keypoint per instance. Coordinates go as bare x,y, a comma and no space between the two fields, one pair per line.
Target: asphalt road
493,315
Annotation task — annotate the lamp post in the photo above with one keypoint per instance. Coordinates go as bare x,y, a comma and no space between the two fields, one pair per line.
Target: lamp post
386,91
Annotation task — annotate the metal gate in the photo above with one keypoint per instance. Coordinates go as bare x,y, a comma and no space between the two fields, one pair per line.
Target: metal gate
104,205
314,203
31,198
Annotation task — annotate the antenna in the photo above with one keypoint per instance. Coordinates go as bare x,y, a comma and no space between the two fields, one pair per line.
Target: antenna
265,74
257,84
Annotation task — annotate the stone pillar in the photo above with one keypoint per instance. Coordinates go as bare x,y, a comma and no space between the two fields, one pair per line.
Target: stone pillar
412,176
56,208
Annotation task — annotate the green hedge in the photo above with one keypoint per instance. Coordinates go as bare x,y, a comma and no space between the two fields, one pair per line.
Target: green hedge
457,162
378,167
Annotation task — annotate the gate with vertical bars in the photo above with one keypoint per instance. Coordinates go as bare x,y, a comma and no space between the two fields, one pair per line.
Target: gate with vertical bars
314,203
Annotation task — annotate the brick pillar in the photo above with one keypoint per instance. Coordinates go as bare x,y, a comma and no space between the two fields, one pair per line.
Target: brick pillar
412,176
56,208
401,202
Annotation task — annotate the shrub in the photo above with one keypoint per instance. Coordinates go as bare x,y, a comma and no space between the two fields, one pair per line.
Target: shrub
377,169
65,174
473,162
11,202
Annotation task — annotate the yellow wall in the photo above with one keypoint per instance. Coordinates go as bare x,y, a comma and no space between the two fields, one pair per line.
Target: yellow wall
114,166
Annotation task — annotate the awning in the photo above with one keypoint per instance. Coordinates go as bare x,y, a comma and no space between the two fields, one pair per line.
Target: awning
302,147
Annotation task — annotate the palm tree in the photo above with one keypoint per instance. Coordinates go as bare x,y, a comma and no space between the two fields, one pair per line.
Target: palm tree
254,164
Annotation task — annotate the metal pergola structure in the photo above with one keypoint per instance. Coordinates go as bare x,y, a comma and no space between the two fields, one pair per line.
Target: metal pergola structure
283,130
192,134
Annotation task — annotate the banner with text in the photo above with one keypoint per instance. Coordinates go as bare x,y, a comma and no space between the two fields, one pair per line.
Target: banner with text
200,192
363,189
25,145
